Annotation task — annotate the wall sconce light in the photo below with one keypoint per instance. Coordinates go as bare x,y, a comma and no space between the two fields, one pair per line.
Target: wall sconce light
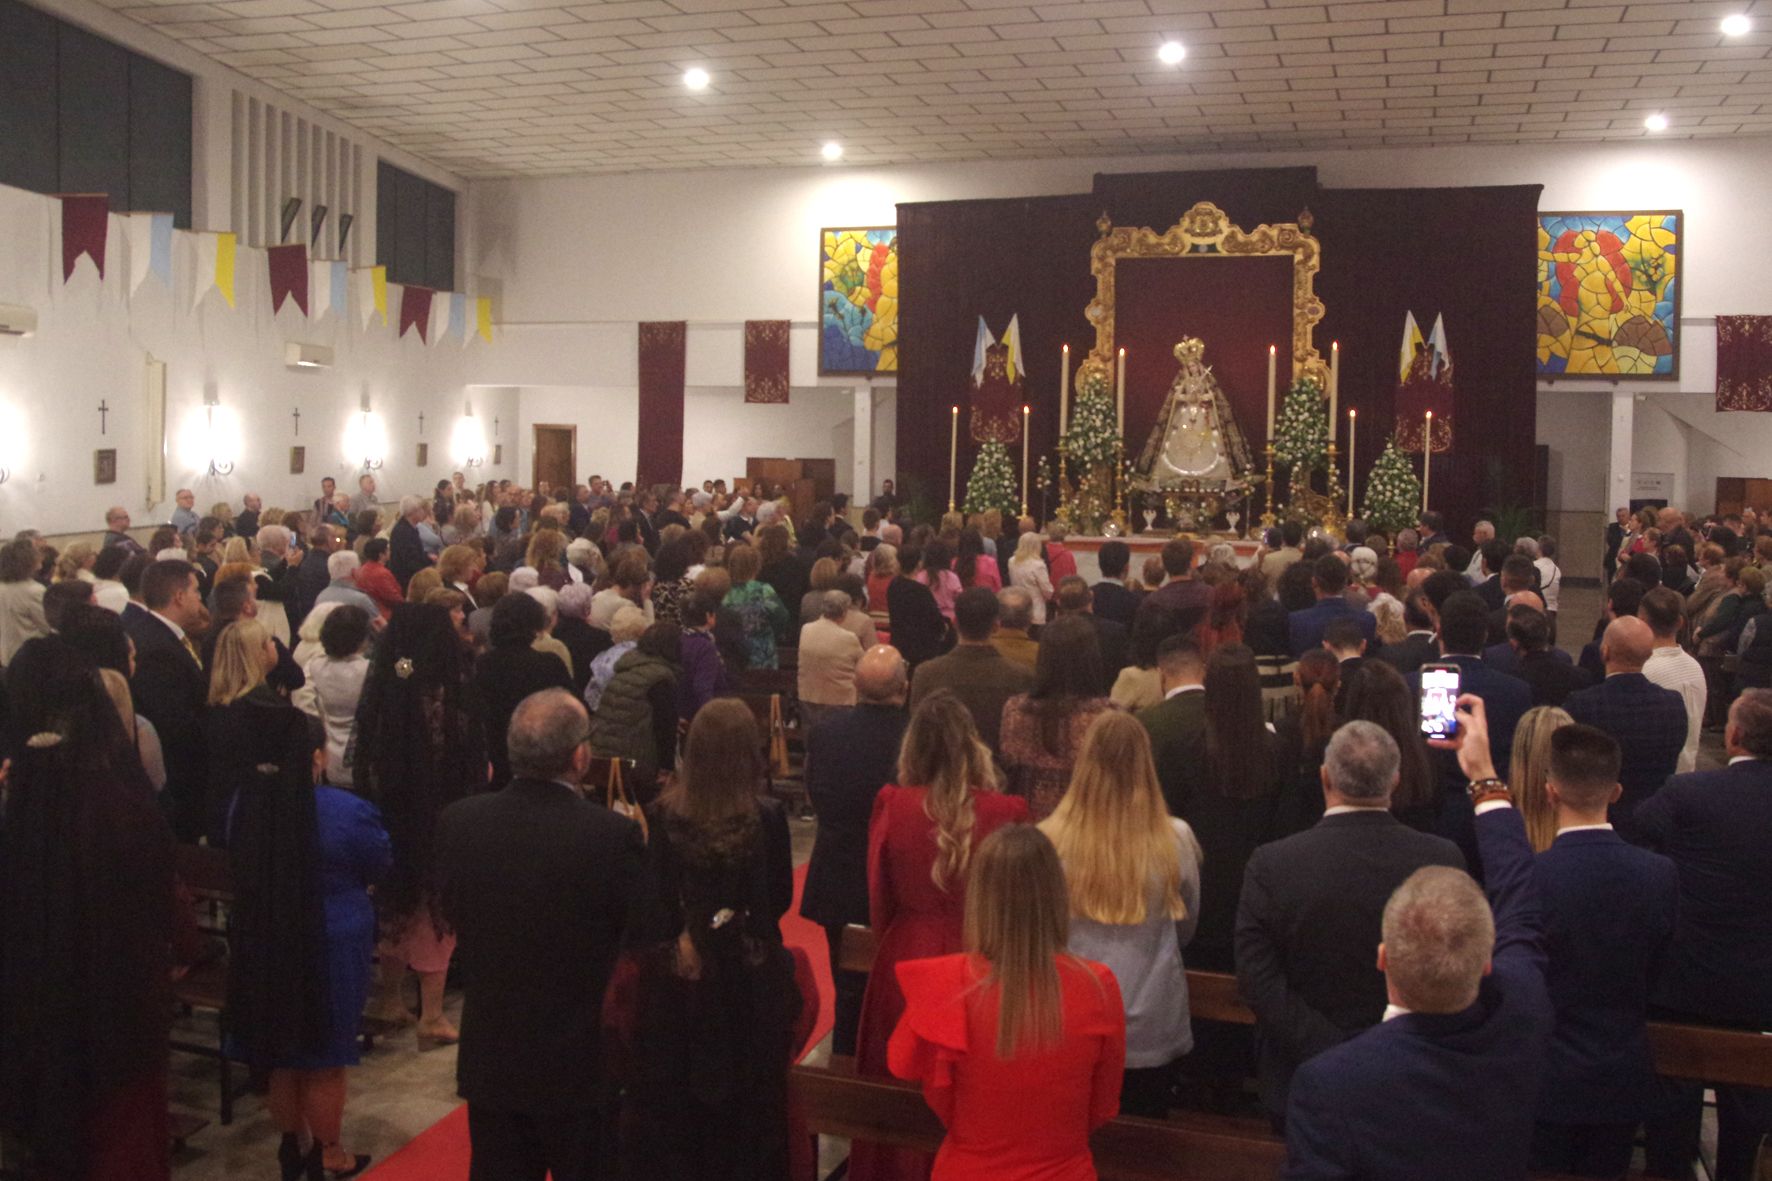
215,446
366,438
16,320
468,441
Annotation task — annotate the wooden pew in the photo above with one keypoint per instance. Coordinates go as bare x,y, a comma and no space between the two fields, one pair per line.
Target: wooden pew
1695,1052
1127,1149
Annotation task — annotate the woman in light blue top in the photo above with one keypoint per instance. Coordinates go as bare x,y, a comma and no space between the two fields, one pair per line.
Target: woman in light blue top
1134,877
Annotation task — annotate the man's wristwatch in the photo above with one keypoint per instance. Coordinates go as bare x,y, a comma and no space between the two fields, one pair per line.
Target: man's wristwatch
1481,791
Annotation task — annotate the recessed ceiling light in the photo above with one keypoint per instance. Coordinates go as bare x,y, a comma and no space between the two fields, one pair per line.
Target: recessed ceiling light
1170,53
1656,122
696,78
1737,25
832,150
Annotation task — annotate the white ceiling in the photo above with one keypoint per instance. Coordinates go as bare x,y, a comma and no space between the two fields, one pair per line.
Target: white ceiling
551,87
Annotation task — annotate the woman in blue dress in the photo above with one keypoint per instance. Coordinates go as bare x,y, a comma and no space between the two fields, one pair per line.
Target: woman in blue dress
302,928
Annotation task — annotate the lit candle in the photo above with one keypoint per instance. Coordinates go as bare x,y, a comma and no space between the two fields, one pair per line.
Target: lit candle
1351,414
1334,381
1427,455
1025,411
1273,354
1120,396
1064,392
953,457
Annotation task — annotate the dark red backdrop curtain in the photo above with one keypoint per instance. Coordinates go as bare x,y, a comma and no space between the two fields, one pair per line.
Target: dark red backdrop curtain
1470,254
661,403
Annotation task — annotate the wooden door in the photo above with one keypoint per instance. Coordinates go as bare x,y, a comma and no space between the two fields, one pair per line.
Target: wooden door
1735,493
556,456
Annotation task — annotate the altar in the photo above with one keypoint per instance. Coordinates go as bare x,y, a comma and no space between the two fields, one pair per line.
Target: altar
1150,545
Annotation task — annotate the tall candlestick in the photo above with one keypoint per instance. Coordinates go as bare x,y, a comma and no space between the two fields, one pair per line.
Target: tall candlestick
1334,381
1120,396
953,458
1025,411
1273,354
1427,455
1351,418
1064,392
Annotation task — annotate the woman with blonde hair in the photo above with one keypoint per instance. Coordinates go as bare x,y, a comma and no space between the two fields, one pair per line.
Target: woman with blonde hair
1529,770
547,553
921,839
1019,1045
1134,877
457,567
1027,569
76,562
242,550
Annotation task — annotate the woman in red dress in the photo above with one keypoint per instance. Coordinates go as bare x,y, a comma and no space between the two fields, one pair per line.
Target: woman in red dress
1018,1045
920,842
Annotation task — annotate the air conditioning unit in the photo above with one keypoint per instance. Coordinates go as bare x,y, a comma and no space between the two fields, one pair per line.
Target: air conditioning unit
16,320
307,356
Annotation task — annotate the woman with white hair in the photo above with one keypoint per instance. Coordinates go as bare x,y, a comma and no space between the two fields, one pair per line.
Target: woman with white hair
1027,569
572,627
1362,571
625,630
546,642
584,561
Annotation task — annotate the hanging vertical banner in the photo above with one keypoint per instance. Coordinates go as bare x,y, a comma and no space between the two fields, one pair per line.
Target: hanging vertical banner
288,267
415,311
328,287
85,220
662,369
458,316
150,248
766,361
1744,363
483,318
226,247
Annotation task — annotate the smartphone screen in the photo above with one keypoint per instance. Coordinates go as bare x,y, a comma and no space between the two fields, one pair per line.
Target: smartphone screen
1439,700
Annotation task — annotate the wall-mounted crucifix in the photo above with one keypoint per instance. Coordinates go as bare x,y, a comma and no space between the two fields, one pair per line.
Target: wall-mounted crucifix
495,428
296,414
421,425
104,417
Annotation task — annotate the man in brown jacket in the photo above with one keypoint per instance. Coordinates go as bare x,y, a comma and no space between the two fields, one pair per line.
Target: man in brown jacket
975,671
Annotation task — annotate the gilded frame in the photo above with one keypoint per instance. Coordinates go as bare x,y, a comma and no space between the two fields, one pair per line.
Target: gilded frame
1206,232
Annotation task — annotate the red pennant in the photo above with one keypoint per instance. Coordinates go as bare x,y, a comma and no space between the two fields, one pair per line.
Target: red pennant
85,221
415,309
289,276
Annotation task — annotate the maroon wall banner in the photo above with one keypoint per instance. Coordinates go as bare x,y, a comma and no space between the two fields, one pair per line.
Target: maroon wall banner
85,221
1744,362
415,310
661,403
766,360
289,276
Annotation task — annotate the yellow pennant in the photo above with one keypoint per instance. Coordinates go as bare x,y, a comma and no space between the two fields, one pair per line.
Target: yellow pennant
483,317
378,280
226,246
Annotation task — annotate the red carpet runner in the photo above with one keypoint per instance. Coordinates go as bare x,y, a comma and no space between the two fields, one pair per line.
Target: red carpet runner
441,1151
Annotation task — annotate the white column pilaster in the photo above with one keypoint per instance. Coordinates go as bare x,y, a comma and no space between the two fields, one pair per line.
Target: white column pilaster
861,481
1619,465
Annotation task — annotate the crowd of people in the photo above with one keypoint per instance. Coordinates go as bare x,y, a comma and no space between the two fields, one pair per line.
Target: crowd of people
499,724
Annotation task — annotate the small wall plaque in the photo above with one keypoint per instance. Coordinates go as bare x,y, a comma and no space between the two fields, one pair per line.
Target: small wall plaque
298,460
424,455
104,466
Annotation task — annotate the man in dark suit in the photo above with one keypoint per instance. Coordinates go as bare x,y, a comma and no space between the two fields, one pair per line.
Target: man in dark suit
1073,598
170,686
742,521
1432,528
1609,913
1519,585
406,551
1346,641
1422,644
975,671
1183,594
1112,599
1648,721
850,756
1492,556
1177,724
1466,1028
538,883
1713,825
1329,580
1309,914
1548,672
1464,622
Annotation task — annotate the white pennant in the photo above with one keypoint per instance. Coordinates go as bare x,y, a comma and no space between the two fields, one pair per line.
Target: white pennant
206,246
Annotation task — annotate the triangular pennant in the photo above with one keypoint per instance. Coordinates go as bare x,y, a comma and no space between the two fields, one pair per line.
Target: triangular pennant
150,248
458,316
1442,351
288,267
415,311
339,279
378,292
203,273
226,248
483,318
319,288
439,316
365,280
85,222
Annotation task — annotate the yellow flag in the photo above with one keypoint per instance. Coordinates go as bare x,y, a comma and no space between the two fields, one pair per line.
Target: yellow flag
378,278
226,245
483,317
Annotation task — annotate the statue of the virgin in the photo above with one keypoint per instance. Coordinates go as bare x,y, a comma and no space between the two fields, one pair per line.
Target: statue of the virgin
1196,441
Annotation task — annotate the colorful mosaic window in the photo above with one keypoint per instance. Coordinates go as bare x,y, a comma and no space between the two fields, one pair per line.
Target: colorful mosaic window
1609,294
858,302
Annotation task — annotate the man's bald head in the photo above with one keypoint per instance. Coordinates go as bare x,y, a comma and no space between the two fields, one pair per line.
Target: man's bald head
881,677
1626,645
1525,598
547,736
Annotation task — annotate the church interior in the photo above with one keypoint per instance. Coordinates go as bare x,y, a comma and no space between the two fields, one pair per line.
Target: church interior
1293,281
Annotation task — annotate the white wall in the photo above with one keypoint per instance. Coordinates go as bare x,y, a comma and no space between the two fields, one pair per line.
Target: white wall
93,340
581,259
